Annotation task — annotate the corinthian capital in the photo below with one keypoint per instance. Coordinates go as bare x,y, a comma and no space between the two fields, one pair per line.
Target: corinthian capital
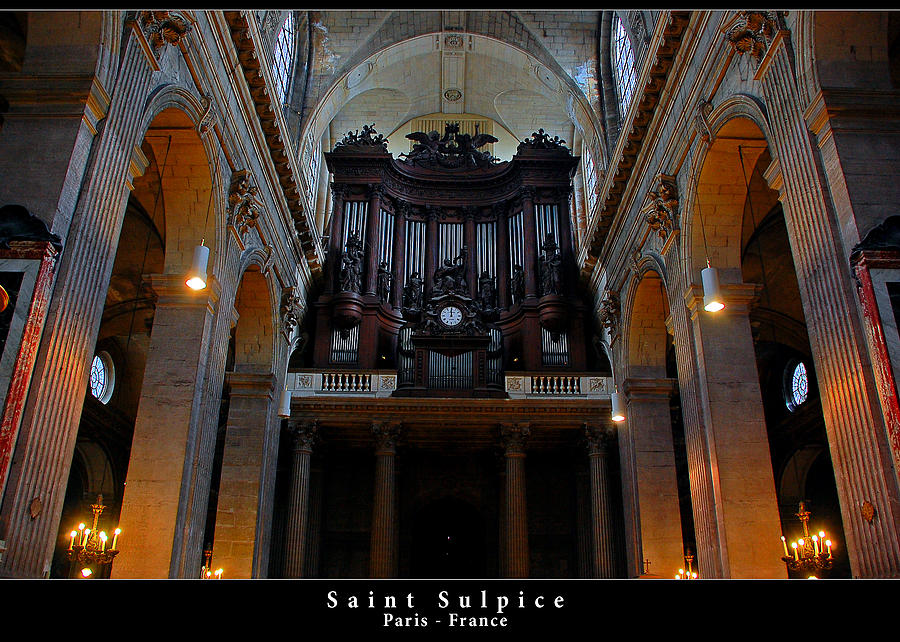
513,437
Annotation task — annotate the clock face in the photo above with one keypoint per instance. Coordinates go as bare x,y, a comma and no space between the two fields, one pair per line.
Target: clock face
451,316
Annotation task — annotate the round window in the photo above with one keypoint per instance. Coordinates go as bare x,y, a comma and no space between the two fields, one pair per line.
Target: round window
796,385
102,375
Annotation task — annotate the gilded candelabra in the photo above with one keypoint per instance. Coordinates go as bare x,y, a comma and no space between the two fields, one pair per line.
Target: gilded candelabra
88,546
206,573
811,553
690,574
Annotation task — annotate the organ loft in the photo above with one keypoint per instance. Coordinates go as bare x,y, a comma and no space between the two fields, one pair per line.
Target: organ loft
451,295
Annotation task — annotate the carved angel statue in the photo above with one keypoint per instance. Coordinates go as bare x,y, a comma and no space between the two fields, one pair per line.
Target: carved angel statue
550,264
384,282
351,265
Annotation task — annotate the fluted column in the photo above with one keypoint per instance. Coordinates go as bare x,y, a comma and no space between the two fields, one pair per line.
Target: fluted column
583,523
860,442
383,557
602,536
314,531
304,434
91,188
515,518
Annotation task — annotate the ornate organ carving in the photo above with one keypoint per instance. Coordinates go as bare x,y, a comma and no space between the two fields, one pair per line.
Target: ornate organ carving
449,265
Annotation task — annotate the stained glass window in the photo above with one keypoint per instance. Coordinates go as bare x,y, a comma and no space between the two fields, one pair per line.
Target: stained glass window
796,385
284,58
102,377
622,64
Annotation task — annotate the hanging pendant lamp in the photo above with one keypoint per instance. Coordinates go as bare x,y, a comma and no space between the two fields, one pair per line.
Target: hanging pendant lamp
713,301
284,405
196,277
618,406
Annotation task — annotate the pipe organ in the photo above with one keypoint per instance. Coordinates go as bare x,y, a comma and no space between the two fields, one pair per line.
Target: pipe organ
448,265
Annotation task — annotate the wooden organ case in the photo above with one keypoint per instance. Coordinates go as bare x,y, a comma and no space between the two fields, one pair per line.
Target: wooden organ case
448,265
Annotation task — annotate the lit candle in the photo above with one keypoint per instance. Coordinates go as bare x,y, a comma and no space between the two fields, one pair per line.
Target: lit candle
219,573
784,543
794,546
103,542
72,543
87,536
115,537
828,544
815,540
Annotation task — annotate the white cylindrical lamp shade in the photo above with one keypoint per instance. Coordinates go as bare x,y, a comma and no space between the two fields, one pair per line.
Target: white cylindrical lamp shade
618,406
712,293
196,278
284,405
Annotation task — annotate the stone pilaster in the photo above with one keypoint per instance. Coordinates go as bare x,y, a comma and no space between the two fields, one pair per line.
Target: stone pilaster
168,411
305,434
602,536
864,467
34,493
314,531
650,485
237,537
515,515
744,503
383,558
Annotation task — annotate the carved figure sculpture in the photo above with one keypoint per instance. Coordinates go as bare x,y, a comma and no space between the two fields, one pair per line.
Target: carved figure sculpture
351,265
550,267
384,282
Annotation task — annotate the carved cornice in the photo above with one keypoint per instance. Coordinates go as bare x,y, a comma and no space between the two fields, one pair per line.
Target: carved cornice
163,27
632,139
271,125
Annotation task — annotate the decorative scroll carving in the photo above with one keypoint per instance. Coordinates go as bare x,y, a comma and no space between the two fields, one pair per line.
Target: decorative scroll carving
550,267
662,218
244,201
542,140
453,150
701,120
369,138
351,265
161,27
209,116
752,32
383,284
608,314
291,309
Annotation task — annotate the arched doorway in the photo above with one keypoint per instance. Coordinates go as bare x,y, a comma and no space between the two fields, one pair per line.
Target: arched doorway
448,540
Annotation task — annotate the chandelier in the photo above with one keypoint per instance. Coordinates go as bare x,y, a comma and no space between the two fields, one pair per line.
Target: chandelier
690,574
206,573
88,546
811,553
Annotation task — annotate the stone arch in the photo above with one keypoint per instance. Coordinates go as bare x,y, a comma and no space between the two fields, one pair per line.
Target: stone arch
647,311
193,187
